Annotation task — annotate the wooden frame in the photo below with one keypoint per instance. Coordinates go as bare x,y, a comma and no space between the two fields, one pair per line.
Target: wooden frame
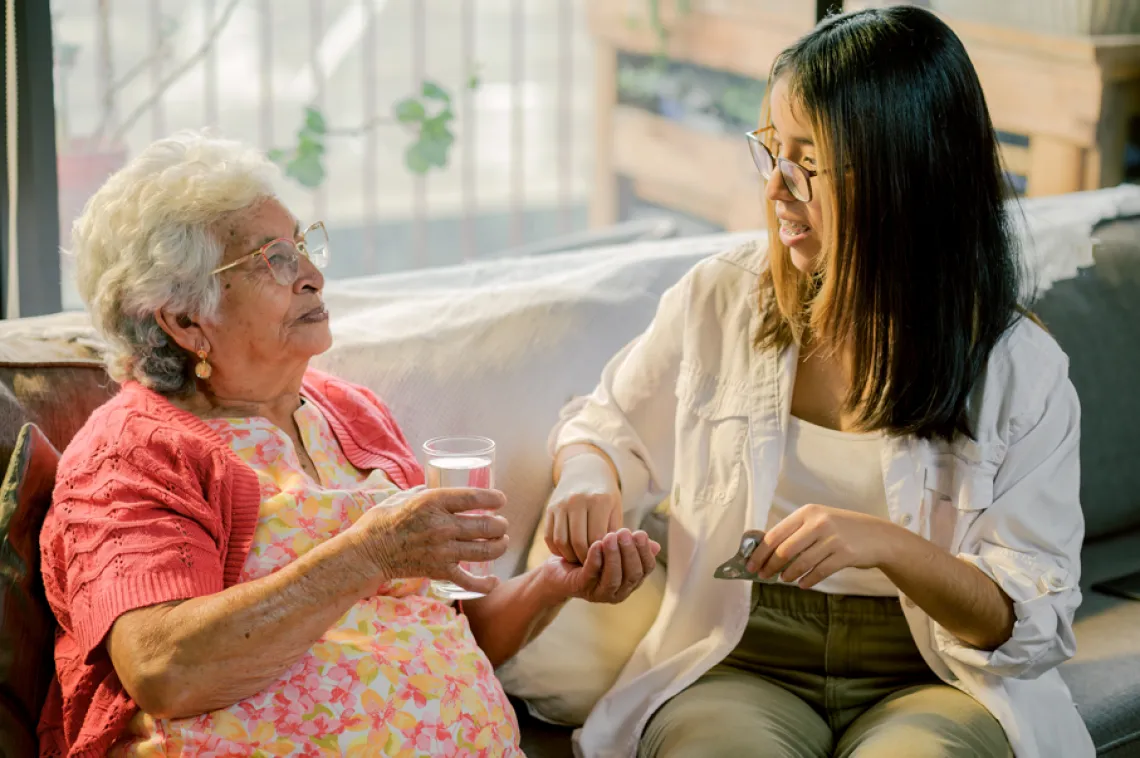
32,286
1073,97
670,166
708,176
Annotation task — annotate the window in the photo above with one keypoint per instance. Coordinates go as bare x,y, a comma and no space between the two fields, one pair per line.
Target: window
516,77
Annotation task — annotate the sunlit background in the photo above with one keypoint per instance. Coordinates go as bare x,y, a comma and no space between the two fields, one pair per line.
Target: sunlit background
516,78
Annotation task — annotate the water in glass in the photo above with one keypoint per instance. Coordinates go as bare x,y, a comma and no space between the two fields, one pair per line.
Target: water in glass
460,462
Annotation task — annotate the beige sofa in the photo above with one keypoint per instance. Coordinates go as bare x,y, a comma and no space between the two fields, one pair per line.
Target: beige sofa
497,348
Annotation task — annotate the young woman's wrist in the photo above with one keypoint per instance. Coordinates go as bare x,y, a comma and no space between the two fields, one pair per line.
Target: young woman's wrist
902,550
591,466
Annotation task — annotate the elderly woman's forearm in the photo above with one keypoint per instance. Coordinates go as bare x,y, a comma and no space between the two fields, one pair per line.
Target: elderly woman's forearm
183,659
512,615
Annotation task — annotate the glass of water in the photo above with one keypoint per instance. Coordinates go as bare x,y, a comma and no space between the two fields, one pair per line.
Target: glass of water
460,462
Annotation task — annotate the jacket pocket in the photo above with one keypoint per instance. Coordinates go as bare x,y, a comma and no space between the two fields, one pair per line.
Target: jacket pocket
959,488
712,435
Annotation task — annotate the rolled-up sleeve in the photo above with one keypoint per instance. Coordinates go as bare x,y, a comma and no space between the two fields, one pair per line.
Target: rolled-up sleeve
1029,540
631,414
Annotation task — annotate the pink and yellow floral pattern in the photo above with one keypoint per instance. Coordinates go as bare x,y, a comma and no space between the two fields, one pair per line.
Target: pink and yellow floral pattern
399,675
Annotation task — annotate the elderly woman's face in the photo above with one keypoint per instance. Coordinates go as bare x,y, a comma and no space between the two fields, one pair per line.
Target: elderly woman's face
264,325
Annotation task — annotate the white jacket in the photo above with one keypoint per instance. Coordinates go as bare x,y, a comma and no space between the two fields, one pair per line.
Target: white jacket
692,409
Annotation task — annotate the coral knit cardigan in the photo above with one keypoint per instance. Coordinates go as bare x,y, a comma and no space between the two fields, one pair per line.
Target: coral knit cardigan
151,506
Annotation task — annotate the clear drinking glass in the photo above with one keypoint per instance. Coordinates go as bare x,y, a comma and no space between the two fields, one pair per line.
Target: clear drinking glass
460,462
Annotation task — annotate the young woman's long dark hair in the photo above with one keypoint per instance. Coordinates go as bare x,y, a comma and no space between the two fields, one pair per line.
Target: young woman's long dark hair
920,271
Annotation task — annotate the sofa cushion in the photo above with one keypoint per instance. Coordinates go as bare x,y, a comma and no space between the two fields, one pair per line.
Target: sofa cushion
58,398
542,740
50,375
1104,676
1095,316
26,622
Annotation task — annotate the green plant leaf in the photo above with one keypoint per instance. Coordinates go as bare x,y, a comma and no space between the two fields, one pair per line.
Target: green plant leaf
475,77
315,121
307,169
409,110
309,143
658,27
655,16
434,152
66,54
277,155
433,91
416,160
436,127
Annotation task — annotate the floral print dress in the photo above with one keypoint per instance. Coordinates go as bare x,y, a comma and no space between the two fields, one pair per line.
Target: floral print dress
399,675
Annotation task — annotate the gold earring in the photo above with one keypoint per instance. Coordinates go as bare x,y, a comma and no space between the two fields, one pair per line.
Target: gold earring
203,369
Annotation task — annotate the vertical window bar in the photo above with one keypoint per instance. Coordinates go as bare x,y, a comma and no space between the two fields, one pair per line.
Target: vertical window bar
265,74
31,273
565,112
419,193
518,143
467,133
106,70
368,165
210,66
316,30
157,55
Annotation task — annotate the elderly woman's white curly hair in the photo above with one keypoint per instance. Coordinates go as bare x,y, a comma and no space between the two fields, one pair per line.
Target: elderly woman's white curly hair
147,241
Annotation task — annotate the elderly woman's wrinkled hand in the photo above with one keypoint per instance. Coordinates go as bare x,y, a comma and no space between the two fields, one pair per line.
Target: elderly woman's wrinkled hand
427,533
615,566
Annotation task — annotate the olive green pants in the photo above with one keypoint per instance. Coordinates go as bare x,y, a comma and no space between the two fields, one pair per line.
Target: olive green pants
820,675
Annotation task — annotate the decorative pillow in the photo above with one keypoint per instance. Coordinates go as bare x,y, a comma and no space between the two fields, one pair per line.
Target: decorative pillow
27,627
567,668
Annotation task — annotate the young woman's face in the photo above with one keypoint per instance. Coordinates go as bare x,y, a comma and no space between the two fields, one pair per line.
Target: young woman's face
801,224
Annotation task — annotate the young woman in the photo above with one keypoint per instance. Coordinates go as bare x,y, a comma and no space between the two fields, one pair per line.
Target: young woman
868,394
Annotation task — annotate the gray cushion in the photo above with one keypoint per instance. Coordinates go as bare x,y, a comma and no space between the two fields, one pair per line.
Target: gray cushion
542,740
1105,674
1096,319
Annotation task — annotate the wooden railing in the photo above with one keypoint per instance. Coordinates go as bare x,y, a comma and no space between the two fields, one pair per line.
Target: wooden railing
1062,104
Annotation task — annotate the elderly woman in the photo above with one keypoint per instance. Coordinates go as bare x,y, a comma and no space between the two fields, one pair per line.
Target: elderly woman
239,551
